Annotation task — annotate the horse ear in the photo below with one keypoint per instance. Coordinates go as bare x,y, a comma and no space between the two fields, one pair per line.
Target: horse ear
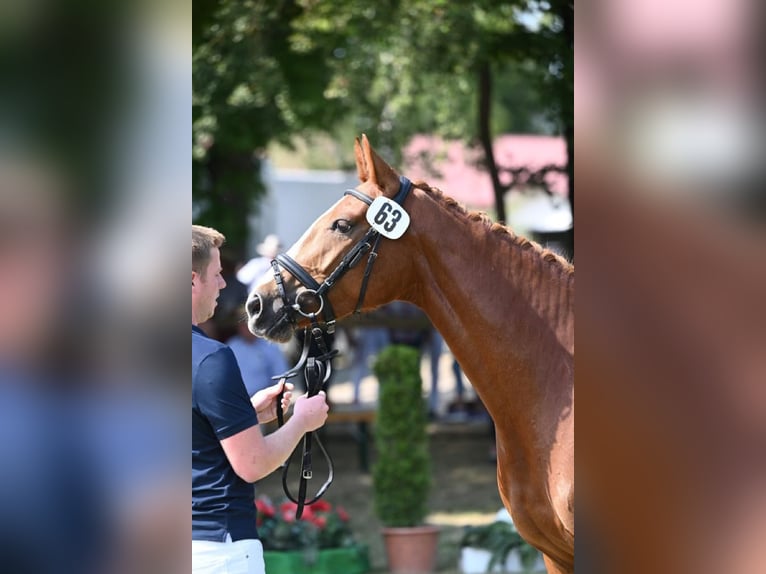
380,173
361,164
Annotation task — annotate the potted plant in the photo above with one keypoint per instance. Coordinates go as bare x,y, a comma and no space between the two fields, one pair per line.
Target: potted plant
401,475
321,542
497,547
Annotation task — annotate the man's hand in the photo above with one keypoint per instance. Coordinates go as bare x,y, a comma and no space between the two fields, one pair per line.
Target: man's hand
312,412
265,401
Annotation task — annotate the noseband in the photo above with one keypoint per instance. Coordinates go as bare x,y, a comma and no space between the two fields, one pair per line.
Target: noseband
317,370
314,294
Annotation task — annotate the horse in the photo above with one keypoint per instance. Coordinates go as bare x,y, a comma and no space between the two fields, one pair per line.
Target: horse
504,305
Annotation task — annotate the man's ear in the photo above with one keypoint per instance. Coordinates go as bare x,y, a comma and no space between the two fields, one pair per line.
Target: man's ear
380,173
195,277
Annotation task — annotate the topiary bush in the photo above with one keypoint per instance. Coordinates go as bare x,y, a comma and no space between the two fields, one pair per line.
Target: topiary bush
402,473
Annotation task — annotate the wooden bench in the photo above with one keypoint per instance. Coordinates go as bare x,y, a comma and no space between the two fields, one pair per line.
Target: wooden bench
362,416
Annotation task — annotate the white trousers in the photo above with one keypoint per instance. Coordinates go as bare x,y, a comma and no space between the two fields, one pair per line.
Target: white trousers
240,557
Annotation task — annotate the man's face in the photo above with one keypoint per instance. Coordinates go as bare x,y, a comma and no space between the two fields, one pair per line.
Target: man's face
205,288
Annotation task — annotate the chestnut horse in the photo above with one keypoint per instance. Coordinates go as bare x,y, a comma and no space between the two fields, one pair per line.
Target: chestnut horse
504,305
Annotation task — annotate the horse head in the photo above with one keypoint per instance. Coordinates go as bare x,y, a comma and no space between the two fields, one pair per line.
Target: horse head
323,273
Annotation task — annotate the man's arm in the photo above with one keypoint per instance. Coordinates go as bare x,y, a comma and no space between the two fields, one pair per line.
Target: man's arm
254,456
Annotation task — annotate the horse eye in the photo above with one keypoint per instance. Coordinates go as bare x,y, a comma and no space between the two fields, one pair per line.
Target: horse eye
341,226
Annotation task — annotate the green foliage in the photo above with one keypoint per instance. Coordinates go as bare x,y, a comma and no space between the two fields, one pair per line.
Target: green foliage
250,87
410,67
401,476
267,71
499,538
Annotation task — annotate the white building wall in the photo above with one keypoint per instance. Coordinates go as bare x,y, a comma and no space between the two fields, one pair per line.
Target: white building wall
294,199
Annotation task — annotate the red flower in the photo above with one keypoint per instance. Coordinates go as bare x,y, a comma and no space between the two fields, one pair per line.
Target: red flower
288,515
319,521
320,506
280,530
287,505
265,507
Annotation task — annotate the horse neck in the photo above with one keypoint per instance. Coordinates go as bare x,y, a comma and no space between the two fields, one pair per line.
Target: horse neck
504,307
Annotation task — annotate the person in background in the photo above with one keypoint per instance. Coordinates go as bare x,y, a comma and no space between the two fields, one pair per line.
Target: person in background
259,359
230,311
367,343
435,348
229,451
267,250
413,329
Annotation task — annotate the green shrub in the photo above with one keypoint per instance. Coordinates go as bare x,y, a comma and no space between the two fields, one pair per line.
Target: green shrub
402,474
499,538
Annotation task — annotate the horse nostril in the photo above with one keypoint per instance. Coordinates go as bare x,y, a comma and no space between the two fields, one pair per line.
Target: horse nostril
254,305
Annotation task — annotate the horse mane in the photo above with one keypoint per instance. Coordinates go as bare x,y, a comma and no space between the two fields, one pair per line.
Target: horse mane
498,229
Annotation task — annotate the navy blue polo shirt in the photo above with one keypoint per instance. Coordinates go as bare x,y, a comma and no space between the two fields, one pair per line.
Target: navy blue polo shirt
222,503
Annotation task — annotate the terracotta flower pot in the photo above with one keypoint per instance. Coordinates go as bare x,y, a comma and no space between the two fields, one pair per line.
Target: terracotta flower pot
411,550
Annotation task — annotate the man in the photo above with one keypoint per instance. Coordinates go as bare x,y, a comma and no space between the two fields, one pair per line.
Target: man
228,450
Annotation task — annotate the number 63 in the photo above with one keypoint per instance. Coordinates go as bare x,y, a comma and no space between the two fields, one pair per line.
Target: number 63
382,216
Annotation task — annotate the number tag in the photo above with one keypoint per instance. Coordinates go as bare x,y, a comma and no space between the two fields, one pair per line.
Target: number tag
388,218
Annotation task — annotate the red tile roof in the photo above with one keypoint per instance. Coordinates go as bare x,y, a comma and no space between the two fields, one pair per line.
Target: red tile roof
459,176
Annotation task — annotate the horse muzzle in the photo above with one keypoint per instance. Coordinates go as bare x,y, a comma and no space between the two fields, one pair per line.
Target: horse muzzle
268,318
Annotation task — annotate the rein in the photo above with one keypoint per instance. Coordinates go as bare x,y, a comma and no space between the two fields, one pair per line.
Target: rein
310,303
316,372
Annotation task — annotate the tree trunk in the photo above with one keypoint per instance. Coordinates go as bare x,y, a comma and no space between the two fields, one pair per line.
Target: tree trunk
234,183
569,242
565,10
485,136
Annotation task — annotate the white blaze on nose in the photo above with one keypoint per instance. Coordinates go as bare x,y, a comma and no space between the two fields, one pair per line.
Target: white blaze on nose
277,304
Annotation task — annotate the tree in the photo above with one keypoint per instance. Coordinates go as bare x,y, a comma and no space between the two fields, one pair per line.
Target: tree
268,70
431,66
249,87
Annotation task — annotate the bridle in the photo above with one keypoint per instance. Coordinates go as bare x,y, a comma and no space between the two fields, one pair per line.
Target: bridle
314,294
317,370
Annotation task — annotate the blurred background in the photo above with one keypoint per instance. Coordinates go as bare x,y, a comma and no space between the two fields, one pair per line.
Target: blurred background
475,98
94,210
670,314
94,194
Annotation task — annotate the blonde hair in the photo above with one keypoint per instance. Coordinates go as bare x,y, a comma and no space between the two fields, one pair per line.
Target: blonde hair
203,240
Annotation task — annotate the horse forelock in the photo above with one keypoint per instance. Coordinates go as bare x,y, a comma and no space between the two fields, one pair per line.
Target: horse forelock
502,231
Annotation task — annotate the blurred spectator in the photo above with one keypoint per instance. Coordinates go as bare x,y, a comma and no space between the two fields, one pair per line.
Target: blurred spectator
35,254
670,146
230,311
52,495
415,329
93,184
267,250
233,296
258,359
367,342
435,348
